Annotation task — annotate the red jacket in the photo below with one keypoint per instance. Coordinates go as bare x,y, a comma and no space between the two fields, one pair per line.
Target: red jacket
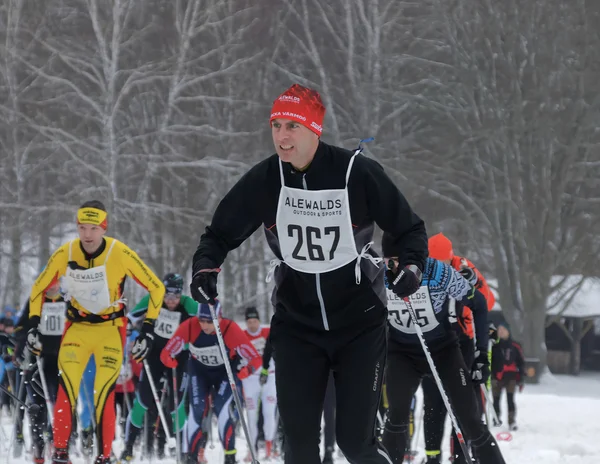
259,340
236,341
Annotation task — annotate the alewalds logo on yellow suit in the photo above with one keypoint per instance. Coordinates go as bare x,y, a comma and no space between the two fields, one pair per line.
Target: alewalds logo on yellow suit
87,276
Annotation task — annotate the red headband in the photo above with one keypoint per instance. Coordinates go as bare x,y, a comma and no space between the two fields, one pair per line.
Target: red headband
302,105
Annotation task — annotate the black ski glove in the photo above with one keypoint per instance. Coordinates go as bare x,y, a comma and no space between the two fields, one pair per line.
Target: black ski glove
143,343
33,342
264,376
480,372
403,282
469,275
204,286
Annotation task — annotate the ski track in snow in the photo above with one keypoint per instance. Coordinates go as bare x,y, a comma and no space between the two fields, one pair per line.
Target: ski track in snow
559,423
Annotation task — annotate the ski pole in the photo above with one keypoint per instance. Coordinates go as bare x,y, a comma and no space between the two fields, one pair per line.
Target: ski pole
504,436
145,441
49,406
414,424
161,413
11,383
124,381
14,397
21,393
487,398
436,376
176,404
232,383
417,427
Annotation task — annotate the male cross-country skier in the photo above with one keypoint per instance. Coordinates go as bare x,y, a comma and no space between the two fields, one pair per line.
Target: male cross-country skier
92,270
318,205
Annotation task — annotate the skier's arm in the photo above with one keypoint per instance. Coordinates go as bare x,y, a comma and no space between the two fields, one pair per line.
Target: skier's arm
235,219
140,310
186,332
22,325
519,359
55,268
21,329
191,306
475,300
483,286
236,339
497,361
404,235
267,354
141,273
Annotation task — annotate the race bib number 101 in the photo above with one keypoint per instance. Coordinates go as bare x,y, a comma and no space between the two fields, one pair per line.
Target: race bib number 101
53,318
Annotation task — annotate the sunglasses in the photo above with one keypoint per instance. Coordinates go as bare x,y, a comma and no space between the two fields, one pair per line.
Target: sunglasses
172,296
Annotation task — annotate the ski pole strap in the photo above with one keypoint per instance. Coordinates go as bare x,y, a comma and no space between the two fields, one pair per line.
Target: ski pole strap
367,140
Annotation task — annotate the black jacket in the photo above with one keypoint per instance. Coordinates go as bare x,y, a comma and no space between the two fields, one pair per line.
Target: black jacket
508,362
333,299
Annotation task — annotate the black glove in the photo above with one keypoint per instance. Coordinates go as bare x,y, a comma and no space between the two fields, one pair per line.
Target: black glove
7,357
204,286
469,275
403,282
480,372
264,376
143,343
493,332
33,342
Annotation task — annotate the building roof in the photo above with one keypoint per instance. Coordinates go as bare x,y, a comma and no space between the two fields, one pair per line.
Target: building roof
573,297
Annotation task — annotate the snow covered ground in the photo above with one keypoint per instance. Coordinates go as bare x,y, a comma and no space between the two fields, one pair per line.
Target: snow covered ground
559,424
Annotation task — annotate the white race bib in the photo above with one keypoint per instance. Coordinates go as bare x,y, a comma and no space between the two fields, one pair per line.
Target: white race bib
207,355
89,287
53,318
399,316
314,229
166,323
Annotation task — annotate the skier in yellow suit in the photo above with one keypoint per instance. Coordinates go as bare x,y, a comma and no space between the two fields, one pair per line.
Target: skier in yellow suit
92,271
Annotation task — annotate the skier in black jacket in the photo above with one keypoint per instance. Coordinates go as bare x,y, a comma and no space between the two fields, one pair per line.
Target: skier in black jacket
318,205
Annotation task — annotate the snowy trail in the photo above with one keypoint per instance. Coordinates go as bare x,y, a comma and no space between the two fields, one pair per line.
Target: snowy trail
559,423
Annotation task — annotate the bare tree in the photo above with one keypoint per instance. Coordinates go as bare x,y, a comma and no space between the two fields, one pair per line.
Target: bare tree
513,103
352,52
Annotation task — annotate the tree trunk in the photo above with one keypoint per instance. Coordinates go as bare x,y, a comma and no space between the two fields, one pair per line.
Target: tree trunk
13,282
534,338
45,226
576,346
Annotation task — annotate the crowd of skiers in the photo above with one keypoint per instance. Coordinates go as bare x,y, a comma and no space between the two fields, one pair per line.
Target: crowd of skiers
353,333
